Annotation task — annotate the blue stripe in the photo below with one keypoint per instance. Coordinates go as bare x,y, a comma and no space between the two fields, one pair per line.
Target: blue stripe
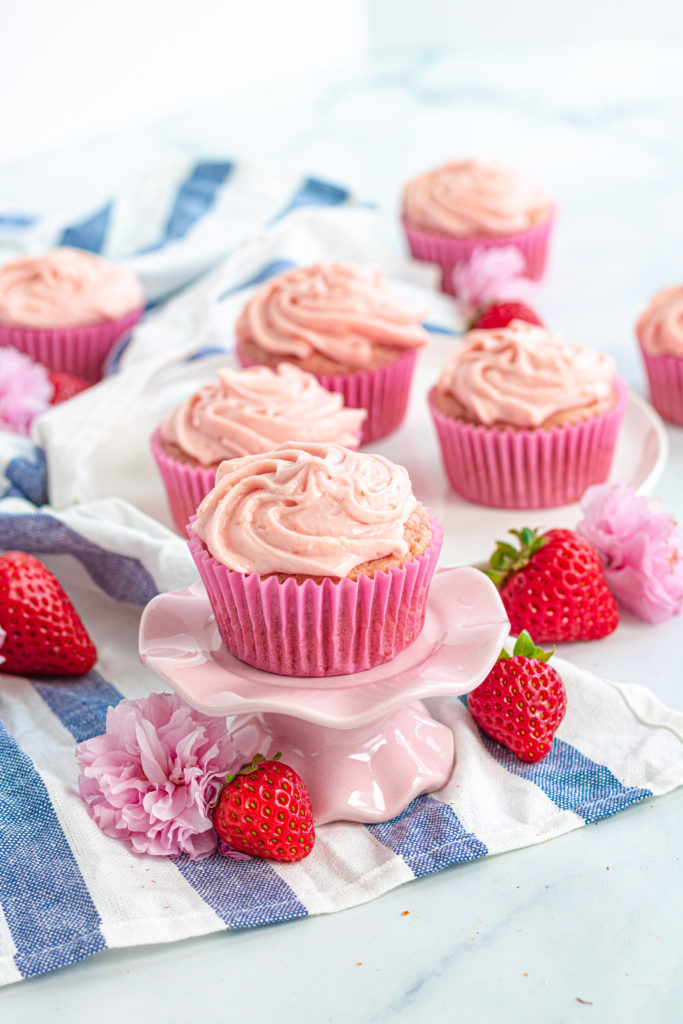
570,779
315,192
80,703
90,233
440,329
15,220
27,477
194,198
49,911
243,893
428,836
270,270
122,577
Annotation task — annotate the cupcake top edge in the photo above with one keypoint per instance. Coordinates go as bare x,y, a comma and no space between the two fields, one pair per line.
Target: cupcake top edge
310,509
339,309
522,375
245,412
660,326
474,198
66,287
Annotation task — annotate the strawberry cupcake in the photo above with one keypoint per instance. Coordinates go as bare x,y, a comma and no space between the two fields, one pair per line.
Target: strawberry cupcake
525,418
67,308
317,560
660,335
340,322
464,206
244,412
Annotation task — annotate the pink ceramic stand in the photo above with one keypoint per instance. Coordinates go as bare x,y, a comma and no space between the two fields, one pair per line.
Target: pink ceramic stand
364,744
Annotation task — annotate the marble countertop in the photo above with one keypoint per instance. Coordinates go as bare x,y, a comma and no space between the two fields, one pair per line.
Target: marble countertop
593,917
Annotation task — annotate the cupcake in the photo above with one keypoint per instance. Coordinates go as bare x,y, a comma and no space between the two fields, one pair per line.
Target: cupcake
317,560
244,412
465,206
340,322
660,334
67,308
525,418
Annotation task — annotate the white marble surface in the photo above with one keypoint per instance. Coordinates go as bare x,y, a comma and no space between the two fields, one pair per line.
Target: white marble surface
595,915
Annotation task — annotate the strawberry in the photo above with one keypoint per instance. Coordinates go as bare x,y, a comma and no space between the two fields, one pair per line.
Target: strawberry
522,701
553,586
500,314
264,810
44,635
65,386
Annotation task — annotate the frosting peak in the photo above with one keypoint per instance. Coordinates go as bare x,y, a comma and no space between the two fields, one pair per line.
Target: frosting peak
469,198
660,326
249,411
338,309
522,375
309,509
66,288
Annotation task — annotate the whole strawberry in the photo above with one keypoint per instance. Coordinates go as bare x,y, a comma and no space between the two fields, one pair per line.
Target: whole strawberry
264,810
522,701
500,314
44,635
65,386
553,586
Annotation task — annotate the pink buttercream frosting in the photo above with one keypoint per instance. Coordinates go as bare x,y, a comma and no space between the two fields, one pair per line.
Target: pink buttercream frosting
523,374
660,326
338,309
310,509
468,198
66,288
250,411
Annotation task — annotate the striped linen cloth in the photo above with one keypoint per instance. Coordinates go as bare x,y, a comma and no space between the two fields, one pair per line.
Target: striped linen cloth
66,890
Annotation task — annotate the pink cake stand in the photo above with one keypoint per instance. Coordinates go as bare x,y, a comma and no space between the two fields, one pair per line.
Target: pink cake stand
364,744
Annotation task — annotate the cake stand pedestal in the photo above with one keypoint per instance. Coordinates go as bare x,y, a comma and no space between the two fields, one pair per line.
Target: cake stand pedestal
364,744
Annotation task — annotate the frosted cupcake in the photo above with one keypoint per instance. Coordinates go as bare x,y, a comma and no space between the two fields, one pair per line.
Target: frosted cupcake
317,560
244,412
525,418
340,322
67,308
660,334
467,205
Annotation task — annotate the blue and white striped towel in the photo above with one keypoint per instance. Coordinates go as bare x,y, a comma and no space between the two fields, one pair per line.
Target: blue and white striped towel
66,890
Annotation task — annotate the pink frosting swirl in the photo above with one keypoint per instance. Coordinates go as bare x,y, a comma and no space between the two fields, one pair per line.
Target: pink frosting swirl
338,309
250,411
468,198
66,288
660,326
523,374
310,509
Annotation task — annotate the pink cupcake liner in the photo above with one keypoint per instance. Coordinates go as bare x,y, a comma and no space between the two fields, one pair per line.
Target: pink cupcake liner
528,468
665,377
77,350
448,252
384,391
332,628
185,485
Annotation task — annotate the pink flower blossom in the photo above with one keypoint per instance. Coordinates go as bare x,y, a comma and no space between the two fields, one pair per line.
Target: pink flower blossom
25,390
491,275
640,549
150,777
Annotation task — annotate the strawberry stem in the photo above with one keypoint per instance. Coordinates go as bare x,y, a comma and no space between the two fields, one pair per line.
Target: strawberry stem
507,558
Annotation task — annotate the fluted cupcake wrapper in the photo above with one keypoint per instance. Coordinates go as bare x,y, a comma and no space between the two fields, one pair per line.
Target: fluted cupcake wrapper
528,468
331,628
185,485
665,377
383,391
449,252
77,350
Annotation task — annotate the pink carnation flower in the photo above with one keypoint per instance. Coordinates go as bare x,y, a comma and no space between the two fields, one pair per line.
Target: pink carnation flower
640,549
150,777
25,390
491,275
